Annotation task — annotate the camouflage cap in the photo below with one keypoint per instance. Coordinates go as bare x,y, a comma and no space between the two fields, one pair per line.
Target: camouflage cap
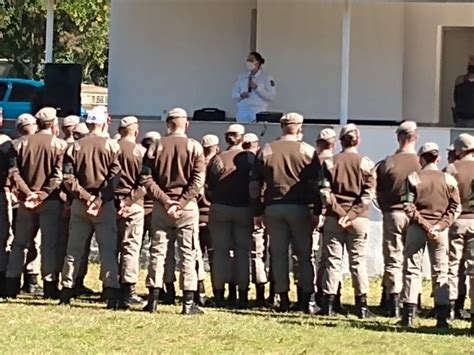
81,128
128,121
327,134
177,113
71,121
292,118
429,147
407,127
236,128
464,143
209,140
25,119
250,138
152,135
46,114
348,128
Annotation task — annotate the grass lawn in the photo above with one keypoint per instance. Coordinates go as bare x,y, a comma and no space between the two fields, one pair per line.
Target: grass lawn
36,326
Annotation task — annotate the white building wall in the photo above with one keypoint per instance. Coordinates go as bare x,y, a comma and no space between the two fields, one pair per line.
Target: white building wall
166,53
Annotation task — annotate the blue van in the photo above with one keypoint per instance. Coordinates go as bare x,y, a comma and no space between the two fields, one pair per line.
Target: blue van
19,96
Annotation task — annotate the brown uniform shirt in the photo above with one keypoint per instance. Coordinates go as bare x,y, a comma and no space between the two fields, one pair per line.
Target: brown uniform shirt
436,196
38,165
285,171
392,175
92,167
5,160
352,180
129,188
174,169
228,177
463,172
204,201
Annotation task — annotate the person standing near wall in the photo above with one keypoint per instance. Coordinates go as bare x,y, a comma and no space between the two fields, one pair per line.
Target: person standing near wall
432,203
254,90
464,97
391,180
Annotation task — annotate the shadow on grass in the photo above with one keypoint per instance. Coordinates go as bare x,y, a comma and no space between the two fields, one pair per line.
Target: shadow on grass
376,326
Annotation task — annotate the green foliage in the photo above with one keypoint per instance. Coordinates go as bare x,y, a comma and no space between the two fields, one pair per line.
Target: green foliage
81,36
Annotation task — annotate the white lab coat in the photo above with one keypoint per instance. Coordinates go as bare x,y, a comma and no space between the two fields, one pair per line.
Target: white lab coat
259,99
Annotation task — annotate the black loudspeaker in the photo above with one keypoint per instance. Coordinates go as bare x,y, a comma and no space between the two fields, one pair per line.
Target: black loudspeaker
269,116
62,88
209,114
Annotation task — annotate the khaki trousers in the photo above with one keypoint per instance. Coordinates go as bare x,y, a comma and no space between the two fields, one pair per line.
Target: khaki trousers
416,242
4,230
82,226
231,230
165,231
314,259
28,222
355,239
470,266
258,256
460,232
130,235
395,225
290,224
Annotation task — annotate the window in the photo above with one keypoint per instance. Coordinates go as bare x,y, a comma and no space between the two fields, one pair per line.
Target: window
3,90
22,93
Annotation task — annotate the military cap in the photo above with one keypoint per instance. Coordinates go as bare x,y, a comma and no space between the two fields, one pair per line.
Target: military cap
450,148
250,138
71,120
80,128
98,115
348,128
24,120
128,121
152,135
236,128
176,113
429,147
327,134
464,143
46,114
407,127
209,140
291,118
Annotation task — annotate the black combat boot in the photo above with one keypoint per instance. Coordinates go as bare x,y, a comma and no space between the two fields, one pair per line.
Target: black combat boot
394,305
200,295
408,314
51,290
153,296
260,292
363,311
219,301
169,298
80,289
232,297
337,301
243,302
65,296
452,310
313,307
125,301
284,305
327,308
3,286
442,317
31,286
135,299
189,307
459,309
419,307
307,303
113,297
13,286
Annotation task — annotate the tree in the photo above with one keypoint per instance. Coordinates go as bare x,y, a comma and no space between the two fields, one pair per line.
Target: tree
81,36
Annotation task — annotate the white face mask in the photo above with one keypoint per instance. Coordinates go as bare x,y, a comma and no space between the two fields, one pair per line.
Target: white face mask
251,65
